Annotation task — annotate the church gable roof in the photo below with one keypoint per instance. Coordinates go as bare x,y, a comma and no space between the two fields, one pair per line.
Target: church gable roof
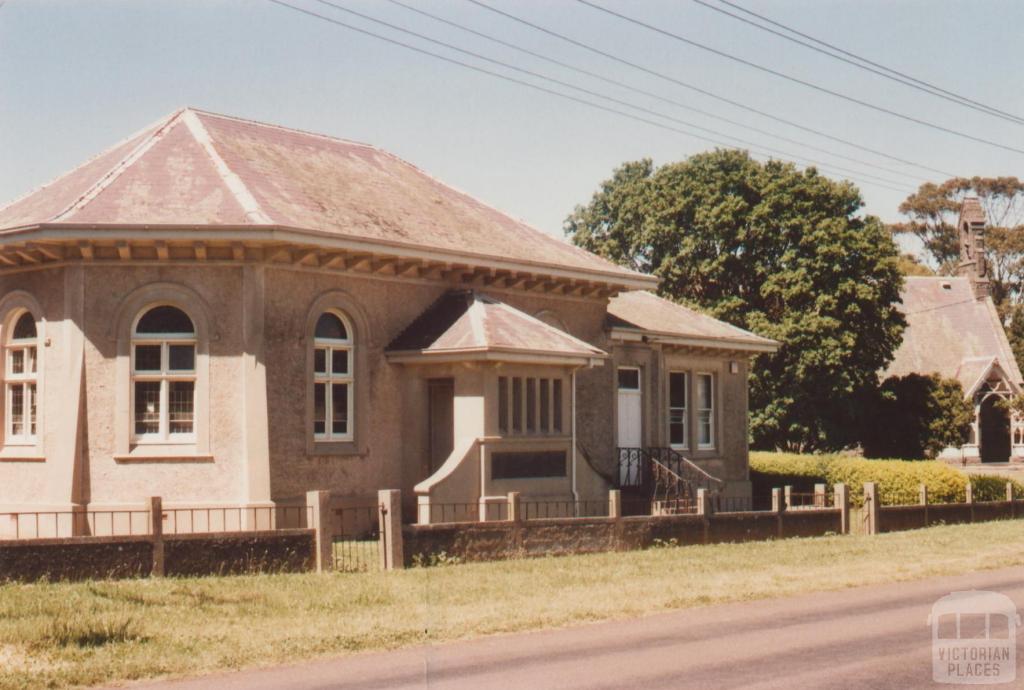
950,332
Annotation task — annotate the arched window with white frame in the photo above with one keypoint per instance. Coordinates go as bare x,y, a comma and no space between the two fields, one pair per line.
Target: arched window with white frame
163,366
333,380
21,378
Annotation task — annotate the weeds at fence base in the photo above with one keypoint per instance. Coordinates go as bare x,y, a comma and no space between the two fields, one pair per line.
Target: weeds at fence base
664,543
434,560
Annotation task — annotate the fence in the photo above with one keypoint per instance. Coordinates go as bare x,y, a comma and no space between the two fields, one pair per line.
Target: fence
356,538
52,524
136,521
880,516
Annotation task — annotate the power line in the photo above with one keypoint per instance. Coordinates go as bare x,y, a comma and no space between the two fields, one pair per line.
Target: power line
537,87
802,82
930,90
710,94
611,99
936,90
644,92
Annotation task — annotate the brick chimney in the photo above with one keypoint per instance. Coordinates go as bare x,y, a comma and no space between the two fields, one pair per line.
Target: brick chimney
973,263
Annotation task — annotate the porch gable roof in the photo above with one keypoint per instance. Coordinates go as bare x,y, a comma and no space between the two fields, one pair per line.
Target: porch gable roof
467,325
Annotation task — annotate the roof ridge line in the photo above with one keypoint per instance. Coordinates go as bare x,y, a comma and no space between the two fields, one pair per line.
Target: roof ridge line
115,172
150,127
241,193
271,125
476,318
415,167
531,317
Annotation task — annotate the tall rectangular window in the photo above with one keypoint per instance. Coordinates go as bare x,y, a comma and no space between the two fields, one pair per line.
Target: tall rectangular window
545,405
503,404
517,405
705,411
531,405
20,377
333,380
677,422
556,405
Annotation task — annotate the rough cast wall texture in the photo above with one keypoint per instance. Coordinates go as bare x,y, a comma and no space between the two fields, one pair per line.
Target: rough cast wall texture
110,482
391,433
28,483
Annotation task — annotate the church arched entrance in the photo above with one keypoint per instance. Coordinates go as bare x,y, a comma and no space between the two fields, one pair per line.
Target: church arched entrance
995,430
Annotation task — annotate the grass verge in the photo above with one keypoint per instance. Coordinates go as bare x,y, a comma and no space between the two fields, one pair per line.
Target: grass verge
58,634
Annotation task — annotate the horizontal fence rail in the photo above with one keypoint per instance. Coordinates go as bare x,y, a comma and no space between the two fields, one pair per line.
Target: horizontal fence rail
539,510
137,522
58,524
252,519
464,512
356,544
796,501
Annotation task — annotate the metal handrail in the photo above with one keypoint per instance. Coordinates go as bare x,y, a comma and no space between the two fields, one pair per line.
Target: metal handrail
656,470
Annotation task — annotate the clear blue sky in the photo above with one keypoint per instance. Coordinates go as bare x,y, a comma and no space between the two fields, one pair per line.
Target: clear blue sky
75,77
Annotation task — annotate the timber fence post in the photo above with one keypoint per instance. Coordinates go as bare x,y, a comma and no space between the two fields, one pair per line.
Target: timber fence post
778,507
842,501
318,504
922,498
393,554
872,507
156,531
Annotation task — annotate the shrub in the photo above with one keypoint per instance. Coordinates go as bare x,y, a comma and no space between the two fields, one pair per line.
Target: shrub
991,488
915,416
899,481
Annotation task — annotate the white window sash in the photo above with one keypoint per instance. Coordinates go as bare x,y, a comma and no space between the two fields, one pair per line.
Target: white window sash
684,410
23,381
164,376
709,409
329,378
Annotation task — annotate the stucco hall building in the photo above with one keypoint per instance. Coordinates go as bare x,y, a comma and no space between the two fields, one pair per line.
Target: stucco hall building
227,313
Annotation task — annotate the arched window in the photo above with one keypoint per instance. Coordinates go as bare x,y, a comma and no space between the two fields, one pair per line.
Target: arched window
163,376
332,379
20,380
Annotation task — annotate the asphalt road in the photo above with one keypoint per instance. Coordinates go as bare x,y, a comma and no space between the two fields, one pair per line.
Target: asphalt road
869,637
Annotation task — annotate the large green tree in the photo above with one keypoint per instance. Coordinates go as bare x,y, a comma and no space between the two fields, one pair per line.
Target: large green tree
772,249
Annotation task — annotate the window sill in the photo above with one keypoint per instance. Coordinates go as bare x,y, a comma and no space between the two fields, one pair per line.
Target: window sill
170,454
322,448
21,454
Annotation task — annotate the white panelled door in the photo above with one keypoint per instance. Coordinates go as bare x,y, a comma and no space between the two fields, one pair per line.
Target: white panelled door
630,419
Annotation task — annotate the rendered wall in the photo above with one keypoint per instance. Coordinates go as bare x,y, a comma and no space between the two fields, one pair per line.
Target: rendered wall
260,451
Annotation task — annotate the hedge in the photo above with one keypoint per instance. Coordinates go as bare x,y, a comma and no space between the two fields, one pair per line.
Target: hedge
898,481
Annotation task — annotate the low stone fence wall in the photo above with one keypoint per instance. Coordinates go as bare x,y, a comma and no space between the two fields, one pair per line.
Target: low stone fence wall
517,537
84,558
896,518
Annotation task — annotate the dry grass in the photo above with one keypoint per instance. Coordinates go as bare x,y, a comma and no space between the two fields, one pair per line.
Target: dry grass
52,635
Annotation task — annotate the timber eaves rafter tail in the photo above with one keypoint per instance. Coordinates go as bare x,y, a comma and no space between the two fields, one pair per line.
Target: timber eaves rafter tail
48,244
